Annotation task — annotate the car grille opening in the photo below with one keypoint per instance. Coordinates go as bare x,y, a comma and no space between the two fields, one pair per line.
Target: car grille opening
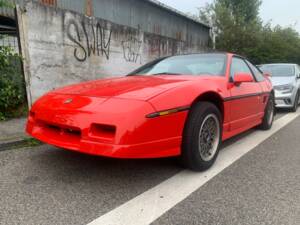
61,130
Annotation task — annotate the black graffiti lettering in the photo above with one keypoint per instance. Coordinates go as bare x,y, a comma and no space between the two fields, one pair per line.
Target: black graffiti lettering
76,41
96,42
103,46
91,47
132,48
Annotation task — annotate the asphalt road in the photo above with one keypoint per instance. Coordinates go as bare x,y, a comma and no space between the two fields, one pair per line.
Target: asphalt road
46,185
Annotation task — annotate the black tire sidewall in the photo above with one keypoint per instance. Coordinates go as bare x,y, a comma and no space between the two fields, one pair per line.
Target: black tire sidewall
296,103
265,123
190,149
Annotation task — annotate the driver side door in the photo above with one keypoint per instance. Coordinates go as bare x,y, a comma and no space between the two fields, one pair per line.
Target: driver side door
245,101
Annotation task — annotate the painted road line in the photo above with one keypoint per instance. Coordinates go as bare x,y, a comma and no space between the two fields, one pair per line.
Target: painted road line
150,205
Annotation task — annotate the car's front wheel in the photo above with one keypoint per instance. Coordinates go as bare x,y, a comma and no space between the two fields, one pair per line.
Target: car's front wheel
296,103
202,136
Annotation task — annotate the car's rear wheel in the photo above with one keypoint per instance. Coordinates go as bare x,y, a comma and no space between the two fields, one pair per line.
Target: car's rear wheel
202,137
269,114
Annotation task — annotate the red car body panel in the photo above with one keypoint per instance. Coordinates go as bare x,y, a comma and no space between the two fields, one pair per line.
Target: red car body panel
109,117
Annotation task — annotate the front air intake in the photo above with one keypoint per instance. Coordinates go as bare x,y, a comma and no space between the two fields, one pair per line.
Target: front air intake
103,131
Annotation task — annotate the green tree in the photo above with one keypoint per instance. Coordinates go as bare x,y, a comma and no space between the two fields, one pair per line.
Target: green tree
278,45
238,28
234,23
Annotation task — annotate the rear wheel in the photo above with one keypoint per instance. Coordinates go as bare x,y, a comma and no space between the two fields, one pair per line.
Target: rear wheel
269,114
202,137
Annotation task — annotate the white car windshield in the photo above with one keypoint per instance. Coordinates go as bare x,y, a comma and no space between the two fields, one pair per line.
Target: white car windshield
279,70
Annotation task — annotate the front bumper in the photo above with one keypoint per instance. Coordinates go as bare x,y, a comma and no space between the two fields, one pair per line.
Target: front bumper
69,127
284,100
155,149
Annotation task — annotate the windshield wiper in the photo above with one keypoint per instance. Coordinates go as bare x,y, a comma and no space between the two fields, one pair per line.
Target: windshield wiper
165,73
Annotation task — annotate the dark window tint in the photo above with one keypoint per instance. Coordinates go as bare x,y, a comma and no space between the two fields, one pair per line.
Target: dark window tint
238,65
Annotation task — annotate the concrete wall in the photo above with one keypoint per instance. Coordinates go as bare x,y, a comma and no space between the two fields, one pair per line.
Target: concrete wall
62,47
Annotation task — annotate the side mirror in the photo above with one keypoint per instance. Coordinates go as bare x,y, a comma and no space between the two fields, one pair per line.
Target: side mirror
298,76
242,78
266,74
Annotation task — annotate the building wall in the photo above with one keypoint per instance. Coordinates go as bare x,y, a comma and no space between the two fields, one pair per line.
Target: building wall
63,47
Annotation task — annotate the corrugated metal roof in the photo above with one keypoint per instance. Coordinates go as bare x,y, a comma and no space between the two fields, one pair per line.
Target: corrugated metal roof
81,3
169,8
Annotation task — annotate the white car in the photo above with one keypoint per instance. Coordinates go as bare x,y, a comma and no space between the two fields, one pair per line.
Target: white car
286,82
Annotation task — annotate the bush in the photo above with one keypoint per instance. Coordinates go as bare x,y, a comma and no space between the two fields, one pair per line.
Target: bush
12,91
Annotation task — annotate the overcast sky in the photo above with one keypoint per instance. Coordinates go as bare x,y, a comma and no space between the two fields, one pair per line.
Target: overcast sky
282,12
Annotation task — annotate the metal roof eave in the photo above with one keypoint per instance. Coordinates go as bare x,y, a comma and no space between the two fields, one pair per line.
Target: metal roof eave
177,12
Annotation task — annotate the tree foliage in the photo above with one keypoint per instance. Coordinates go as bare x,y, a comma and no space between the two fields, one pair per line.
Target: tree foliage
12,91
5,3
239,29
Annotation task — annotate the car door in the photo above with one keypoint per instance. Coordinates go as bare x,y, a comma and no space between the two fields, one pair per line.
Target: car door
245,103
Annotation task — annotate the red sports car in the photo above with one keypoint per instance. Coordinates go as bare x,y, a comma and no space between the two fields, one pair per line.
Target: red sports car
175,106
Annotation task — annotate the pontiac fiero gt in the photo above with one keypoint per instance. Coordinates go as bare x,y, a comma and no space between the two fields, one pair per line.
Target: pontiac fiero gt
182,106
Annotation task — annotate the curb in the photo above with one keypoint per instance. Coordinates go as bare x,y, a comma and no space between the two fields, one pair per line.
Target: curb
18,143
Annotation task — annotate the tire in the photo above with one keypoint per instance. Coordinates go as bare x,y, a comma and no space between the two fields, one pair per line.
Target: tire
269,114
296,103
204,124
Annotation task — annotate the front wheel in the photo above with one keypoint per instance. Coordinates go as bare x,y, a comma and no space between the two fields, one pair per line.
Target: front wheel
202,137
296,103
269,114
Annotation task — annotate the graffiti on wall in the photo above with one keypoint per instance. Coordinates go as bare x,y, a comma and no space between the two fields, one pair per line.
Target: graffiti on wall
89,39
132,47
92,38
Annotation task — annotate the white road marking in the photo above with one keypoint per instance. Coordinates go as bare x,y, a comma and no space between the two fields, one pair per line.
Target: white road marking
150,205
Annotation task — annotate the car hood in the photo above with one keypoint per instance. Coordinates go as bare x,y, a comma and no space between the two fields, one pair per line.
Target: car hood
282,80
130,87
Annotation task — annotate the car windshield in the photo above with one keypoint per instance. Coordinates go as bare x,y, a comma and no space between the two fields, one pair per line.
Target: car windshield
279,70
197,64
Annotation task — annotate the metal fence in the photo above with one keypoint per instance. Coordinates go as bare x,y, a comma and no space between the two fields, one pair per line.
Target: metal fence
10,41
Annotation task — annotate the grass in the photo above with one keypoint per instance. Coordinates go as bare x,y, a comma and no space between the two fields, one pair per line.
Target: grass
31,142
26,143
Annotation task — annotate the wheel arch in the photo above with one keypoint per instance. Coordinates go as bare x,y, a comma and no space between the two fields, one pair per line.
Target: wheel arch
212,97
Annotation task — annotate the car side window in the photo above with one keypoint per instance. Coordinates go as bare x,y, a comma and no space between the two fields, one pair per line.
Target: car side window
258,75
298,67
238,65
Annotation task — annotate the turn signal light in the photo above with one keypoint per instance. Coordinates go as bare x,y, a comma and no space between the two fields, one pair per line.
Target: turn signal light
168,112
